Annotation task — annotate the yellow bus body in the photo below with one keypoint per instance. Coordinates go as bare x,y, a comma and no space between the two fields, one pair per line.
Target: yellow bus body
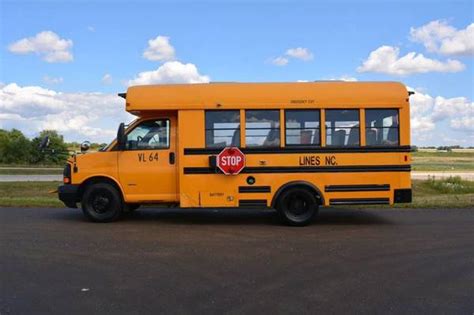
182,172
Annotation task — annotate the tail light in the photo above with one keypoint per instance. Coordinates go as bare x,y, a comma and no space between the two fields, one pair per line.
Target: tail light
67,174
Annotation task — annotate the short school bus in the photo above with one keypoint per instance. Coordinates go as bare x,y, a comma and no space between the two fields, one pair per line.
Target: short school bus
303,145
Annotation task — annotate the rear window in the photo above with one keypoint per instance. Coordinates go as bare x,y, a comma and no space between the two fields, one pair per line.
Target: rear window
381,127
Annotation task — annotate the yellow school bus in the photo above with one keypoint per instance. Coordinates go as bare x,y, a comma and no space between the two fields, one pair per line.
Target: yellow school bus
299,146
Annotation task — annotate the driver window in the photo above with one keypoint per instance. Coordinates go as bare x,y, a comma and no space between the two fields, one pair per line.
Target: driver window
149,135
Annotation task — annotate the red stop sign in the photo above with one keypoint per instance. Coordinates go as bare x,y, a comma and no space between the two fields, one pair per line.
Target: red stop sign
231,161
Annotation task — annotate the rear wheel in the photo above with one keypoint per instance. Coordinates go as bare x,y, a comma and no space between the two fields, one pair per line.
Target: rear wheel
297,206
102,202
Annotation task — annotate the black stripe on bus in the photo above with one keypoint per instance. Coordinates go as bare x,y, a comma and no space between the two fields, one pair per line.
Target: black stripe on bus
359,201
307,169
369,187
292,150
252,203
254,189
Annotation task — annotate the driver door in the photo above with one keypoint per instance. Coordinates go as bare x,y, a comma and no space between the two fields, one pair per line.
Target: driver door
147,167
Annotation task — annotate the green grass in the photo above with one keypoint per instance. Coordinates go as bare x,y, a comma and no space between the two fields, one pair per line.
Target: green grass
29,194
440,193
443,161
452,192
450,185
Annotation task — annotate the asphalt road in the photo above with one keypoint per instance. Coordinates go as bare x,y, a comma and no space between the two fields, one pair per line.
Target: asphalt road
240,262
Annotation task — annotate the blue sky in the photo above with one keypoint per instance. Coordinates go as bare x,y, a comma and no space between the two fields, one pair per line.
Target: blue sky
235,41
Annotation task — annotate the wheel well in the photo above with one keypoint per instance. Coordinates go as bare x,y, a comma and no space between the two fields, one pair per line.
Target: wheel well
298,184
95,180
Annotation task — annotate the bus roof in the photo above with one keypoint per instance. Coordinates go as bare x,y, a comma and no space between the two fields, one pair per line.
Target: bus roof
322,94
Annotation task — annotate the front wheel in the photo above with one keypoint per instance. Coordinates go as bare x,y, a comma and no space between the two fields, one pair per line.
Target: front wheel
102,202
297,206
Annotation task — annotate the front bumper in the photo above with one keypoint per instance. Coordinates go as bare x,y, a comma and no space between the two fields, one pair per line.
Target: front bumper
69,194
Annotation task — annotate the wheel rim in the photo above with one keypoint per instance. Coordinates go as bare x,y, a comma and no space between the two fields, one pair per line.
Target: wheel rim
299,207
101,201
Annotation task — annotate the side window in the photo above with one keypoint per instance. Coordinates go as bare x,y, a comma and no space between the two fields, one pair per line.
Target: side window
302,127
342,127
381,127
149,135
262,128
222,128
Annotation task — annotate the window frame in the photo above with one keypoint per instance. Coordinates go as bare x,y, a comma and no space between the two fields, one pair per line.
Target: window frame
285,110
220,111
358,109
278,110
365,124
151,149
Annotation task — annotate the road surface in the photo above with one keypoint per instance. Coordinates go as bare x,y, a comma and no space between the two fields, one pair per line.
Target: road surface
238,262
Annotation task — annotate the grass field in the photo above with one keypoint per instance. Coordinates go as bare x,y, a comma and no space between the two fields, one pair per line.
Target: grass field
29,194
451,192
443,161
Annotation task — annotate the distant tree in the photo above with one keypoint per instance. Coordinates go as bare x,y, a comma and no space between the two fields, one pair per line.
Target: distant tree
14,147
56,153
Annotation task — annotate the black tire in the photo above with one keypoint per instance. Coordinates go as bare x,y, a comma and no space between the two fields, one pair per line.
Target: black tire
297,206
102,202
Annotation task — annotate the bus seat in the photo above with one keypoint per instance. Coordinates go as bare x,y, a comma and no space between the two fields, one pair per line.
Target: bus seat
371,137
339,137
316,137
392,135
306,136
273,138
353,136
236,137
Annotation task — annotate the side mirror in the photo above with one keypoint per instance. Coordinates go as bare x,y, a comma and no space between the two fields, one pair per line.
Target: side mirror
44,143
121,138
85,146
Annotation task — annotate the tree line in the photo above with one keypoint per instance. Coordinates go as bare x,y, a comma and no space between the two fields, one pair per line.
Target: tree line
16,148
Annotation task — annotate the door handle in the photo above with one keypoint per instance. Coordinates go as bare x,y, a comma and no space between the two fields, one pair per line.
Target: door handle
172,158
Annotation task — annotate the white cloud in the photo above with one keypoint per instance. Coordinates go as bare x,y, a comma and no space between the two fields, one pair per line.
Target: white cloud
91,28
428,112
450,107
52,80
300,53
440,37
170,72
344,77
386,59
76,115
159,49
46,44
279,61
463,123
107,79
292,53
